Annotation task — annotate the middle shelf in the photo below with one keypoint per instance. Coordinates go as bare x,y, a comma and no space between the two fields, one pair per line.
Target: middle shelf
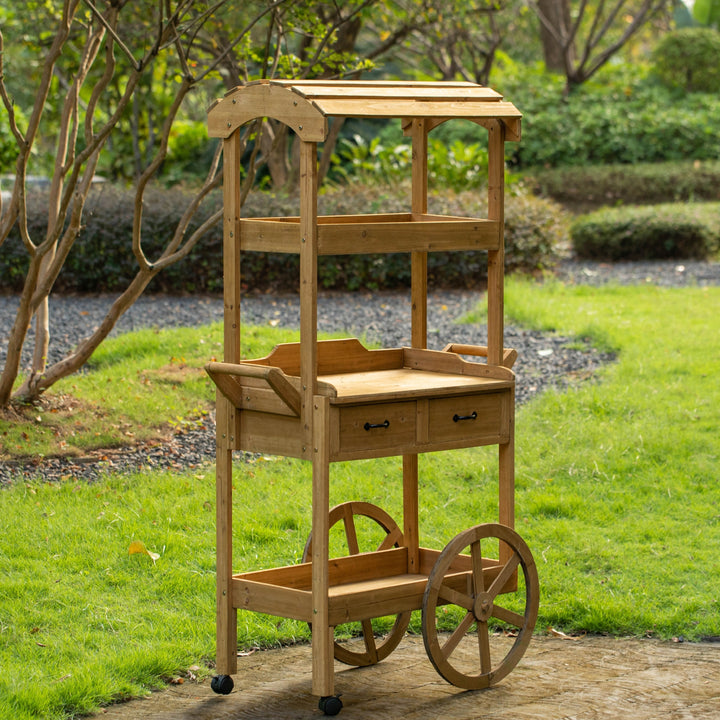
361,234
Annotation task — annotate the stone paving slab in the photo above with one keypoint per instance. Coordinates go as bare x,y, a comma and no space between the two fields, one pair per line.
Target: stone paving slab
593,678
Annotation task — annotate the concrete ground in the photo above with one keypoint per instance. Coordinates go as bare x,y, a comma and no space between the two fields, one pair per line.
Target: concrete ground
557,679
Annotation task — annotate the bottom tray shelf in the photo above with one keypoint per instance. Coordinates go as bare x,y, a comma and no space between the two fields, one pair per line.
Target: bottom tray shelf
361,586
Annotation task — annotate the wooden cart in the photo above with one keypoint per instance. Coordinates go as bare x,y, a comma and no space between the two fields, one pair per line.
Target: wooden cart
336,400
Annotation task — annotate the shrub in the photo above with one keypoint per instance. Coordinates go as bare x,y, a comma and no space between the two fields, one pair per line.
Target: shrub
101,260
649,233
622,115
688,59
644,183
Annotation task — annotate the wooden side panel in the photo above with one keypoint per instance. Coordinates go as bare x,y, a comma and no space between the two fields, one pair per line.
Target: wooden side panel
273,434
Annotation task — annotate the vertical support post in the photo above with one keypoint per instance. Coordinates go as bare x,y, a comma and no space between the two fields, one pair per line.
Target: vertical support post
226,614
418,298
496,291
308,289
496,258
322,634
410,512
506,477
418,260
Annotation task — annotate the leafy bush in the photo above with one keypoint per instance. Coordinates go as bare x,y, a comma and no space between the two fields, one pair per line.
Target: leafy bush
457,165
688,59
624,116
650,232
643,183
102,261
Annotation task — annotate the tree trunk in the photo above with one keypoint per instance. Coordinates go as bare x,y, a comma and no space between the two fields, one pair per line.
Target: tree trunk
555,23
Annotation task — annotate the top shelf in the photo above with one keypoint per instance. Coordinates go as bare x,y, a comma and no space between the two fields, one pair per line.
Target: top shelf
360,234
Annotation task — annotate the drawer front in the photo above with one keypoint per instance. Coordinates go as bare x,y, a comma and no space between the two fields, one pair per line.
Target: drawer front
373,430
469,419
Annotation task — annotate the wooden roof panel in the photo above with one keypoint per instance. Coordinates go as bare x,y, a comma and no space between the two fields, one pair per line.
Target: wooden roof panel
305,105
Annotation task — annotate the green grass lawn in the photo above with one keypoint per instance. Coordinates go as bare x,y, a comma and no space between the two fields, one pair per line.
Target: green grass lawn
617,496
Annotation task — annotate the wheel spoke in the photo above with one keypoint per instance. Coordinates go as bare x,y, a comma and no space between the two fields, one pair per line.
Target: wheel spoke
508,616
458,634
504,575
455,598
484,647
391,539
478,574
369,637
350,532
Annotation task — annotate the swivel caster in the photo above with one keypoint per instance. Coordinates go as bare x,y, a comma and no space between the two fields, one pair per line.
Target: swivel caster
330,705
222,684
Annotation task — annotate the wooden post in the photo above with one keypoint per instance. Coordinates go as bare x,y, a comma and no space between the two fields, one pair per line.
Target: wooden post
496,272
496,258
322,634
418,260
308,288
226,627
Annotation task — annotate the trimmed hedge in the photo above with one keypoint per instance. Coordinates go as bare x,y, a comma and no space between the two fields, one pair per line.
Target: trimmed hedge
644,183
656,232
101,260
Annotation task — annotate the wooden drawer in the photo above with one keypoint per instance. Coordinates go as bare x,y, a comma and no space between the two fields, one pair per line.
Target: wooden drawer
468,419
373,430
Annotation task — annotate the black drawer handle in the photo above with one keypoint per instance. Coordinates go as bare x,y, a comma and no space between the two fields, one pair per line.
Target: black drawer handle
458,418
370,426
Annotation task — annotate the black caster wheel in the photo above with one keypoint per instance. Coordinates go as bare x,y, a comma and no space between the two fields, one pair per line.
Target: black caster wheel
330,705
222,684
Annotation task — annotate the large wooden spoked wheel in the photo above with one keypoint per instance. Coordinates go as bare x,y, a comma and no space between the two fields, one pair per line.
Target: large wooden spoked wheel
489,639
367,645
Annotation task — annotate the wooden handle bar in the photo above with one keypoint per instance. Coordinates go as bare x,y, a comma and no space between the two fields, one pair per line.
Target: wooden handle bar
509,355
273,376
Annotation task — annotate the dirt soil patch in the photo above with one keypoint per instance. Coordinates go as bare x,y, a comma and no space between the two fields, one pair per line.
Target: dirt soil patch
584,679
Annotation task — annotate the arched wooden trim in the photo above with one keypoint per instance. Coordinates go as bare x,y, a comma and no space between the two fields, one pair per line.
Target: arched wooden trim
272,101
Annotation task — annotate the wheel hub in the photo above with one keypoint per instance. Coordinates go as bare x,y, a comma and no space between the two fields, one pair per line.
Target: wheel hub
483,607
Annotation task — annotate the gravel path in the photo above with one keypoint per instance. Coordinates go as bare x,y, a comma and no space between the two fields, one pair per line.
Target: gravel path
382,317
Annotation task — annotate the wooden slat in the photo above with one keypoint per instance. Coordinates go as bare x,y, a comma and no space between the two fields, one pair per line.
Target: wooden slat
451,363
334,356
272,599
262,432
401,107
376,597
399,91
372,235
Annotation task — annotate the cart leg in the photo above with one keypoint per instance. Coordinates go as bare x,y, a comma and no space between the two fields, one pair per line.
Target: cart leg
506,473
410,511
226,627
322,633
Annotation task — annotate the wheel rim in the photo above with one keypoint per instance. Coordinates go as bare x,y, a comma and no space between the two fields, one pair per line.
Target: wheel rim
461,581
366,646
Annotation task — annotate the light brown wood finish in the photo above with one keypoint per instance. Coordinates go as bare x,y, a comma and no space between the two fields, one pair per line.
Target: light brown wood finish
496,258
308,288
226,427
335,400
373,649
322,634
479,599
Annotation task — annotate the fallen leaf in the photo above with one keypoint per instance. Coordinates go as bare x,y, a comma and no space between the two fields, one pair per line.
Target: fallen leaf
560,634
138,547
